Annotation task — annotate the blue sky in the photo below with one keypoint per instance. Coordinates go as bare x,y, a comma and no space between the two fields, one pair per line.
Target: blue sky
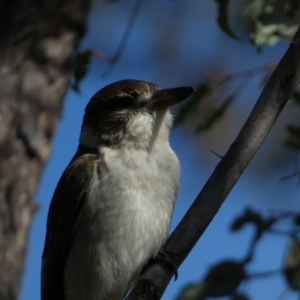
169,45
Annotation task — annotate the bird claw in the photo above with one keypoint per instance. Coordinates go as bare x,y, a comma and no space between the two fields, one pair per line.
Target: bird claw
164,257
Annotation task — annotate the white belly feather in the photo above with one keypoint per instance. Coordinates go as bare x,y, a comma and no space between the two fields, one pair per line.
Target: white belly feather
125,222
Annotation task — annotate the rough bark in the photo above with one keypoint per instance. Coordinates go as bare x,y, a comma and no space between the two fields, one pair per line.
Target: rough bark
273,98
37,42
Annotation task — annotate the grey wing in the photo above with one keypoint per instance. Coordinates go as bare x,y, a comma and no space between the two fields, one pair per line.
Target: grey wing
64,214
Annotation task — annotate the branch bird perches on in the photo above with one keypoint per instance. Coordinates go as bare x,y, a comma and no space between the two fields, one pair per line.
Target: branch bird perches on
273,98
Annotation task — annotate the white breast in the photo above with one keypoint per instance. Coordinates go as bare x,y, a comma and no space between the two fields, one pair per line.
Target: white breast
126,220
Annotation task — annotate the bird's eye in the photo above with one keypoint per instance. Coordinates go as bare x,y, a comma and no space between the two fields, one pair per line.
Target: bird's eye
124,102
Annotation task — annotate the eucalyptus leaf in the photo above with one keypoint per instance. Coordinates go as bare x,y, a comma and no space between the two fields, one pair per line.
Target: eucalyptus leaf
292,264
224,278
81,64
223,20
291,7
268,34
192,292
254,9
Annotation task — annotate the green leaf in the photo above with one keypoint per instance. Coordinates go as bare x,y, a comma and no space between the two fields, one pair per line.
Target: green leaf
224,278
249,217
292,264
192,292
296,97
254,9
202,93
270,34
297,220
290,7
214,115
223,18
81,64
266,34
293,139
240,297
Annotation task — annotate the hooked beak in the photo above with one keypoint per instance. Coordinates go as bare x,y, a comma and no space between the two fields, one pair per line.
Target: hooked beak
163,99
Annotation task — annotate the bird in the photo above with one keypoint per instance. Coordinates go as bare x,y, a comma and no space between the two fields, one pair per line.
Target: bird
111,210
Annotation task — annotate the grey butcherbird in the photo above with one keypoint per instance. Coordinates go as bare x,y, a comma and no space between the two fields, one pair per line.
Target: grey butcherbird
112,207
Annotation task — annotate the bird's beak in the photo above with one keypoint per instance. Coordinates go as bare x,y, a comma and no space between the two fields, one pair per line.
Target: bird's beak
163,99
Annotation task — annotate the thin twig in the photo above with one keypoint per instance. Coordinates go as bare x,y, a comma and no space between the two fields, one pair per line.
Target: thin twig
217,77
216,154
264,274
282,232
124,40
296,173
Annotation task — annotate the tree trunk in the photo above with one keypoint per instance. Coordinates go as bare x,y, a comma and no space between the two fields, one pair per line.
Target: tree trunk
37,42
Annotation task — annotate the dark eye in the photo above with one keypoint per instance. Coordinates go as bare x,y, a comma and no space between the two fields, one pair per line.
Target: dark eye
124,102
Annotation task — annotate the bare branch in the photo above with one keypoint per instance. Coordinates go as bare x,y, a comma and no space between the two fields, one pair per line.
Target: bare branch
125,38
276,93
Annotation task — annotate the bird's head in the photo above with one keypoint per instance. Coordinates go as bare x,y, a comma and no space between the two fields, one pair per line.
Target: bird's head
129,112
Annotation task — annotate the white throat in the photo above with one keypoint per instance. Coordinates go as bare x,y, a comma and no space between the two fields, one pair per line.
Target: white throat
146,131
158,124
143,131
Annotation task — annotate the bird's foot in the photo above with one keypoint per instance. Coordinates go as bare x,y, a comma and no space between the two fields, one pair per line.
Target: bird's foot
164,257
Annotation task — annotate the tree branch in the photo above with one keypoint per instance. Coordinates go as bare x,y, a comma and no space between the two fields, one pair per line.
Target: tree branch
274,96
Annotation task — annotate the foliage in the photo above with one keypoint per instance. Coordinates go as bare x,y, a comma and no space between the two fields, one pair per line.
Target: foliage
223,18
271,20
202,110
81,64
226,277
